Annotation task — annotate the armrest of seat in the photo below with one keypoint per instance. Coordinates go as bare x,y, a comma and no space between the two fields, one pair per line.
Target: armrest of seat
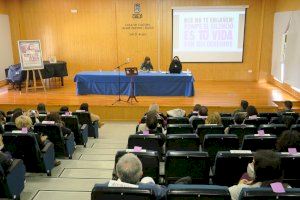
14,165
95,122
48,157
15,178
47,147
84,130
83,127
69,137
70,143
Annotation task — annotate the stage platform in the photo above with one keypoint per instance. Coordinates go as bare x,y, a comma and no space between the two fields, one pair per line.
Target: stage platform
221,96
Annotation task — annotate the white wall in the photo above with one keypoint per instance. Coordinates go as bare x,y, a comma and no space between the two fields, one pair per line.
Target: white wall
6,54
289,67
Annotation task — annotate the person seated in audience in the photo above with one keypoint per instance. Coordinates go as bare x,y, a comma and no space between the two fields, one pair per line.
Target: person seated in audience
41,108
55,117
195,111
16,113
33,114
2,117
287,120
151,125
175,66
26,122
63,109
155,107
264,170
243,108
2,121
288,107
288,139
251,112
147,65
214,118
238,119
129,171
85,107
203,112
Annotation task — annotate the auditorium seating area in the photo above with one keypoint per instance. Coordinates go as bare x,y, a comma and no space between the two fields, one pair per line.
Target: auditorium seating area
214,160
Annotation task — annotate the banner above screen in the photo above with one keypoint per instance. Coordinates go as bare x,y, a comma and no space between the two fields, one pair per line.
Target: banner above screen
209,34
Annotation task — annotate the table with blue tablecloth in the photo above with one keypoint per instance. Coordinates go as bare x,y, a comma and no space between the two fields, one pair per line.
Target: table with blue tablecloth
145,84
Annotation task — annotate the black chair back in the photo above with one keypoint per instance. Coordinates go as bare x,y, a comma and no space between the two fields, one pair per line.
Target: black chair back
25,147
295,127
202,130
177,120
54,133
227,121
83,117
242,130
267,115
229,167
292,114
180,164
72,123
266,193
219,142
290,165
148,142
275,129
197,192
254,143
10,126
182,142
197,121
179,129
257,122
102,192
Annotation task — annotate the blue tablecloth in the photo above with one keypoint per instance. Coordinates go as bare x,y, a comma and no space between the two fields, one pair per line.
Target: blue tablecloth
146,84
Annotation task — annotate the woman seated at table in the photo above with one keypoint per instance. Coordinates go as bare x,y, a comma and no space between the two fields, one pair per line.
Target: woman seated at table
175,66
147,65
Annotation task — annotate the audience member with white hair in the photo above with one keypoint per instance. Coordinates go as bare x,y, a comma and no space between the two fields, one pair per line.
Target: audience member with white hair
130,172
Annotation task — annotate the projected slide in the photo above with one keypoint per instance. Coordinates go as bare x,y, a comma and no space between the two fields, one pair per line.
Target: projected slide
208,35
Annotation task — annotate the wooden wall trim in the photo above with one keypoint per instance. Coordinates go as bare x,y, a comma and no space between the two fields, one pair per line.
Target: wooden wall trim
284,86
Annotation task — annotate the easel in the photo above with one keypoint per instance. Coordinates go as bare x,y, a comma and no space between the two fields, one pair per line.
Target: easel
34,87
131,72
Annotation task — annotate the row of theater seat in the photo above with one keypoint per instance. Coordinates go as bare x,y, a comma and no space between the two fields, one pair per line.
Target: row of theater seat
227,168
30,158
212,143
190,192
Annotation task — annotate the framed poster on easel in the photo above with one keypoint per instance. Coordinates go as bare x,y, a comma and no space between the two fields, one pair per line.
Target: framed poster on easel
31,59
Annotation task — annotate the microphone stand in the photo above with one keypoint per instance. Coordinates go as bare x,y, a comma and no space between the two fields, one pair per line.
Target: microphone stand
119,82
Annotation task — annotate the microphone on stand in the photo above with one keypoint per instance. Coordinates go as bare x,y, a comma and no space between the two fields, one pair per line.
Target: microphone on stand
128,60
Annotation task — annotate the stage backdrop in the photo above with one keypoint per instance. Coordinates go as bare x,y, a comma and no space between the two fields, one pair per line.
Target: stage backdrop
102,34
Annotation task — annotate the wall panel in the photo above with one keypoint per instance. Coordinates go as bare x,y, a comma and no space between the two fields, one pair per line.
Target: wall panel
95,37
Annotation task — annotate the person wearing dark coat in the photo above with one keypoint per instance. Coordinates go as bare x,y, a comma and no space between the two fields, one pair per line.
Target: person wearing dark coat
175,66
